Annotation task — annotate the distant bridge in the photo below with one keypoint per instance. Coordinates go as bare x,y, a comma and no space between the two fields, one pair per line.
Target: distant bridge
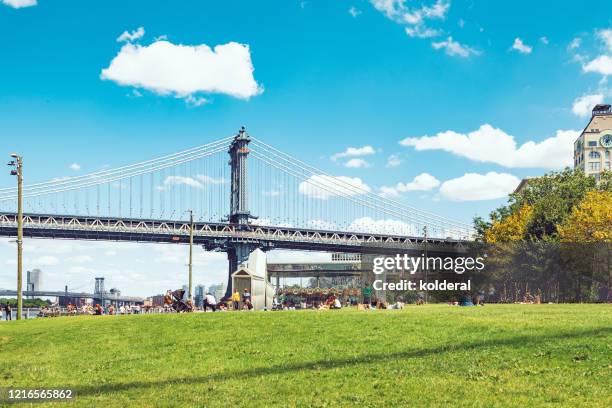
79,295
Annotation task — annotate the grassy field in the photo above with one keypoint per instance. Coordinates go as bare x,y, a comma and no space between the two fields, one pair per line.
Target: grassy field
497,355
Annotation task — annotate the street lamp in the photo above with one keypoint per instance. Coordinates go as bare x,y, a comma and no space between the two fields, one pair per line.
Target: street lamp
426,268
189,296
17,170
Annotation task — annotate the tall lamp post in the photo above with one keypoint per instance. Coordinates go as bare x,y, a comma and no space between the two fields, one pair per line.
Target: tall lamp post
426,269
17,165
189,296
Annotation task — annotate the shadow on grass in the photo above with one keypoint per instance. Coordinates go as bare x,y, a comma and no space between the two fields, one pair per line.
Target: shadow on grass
342,362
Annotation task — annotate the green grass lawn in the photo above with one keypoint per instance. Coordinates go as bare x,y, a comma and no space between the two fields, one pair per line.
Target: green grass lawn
497,355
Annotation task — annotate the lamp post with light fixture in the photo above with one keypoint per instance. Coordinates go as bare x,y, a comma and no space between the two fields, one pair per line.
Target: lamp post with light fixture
17,165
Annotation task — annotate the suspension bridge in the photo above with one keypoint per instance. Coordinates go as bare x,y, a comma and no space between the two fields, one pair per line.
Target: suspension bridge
263,199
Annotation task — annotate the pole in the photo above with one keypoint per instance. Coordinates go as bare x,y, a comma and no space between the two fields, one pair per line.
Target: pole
426,269
17,163
190,255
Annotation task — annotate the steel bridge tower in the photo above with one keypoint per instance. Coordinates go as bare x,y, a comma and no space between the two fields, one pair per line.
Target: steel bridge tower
238,250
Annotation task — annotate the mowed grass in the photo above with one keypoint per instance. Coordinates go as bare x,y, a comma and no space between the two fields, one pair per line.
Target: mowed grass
497,355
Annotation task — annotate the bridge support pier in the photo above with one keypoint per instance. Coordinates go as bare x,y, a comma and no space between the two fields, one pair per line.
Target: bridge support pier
237,253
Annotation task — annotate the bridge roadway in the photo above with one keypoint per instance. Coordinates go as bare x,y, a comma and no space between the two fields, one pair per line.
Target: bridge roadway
215,236
82,295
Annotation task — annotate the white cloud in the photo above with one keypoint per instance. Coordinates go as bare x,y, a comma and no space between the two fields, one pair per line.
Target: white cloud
196,182
357,164
383,226
393,161
184,70
521,47
20,3
584,105
126,36
414,18
75,166
322,187
420,31
606,37
422,182
353,11
454,49
354,152
210,180
492,145
475,187
322,225
544,40
601,65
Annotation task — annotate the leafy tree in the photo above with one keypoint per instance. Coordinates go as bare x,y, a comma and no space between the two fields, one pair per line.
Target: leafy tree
589,221
510,228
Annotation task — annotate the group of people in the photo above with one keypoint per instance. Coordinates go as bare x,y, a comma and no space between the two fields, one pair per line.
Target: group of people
238,302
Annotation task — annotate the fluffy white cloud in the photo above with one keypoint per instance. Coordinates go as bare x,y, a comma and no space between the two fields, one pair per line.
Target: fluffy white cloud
356,164
75,166
393,161
474,186
521,47
544,40
584,105
601,65
422,182
322,187
454,49
184,70
127,36
354,152
492,145
20,3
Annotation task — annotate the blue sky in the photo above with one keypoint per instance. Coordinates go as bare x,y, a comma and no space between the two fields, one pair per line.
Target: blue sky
329,75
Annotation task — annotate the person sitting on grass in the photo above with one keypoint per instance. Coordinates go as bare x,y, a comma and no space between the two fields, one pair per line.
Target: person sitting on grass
466,300
246,296
336,304
210,301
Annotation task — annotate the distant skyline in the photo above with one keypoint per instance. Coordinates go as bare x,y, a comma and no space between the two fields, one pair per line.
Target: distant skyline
444,105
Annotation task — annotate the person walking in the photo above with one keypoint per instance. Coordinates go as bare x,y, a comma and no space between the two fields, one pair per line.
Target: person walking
236,299
9,312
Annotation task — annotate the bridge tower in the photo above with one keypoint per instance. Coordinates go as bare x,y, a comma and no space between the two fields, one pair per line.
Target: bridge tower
238,251
239,151
99,291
